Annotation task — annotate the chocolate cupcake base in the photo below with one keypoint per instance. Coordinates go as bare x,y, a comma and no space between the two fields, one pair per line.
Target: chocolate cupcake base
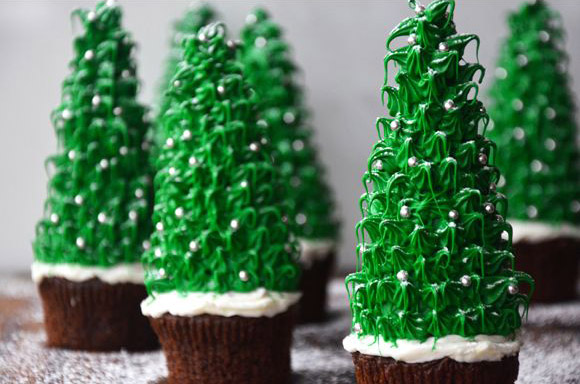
95,316
383,370
226,350
554,266
313,285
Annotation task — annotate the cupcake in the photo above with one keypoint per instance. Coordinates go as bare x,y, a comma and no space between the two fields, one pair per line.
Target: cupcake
273,74
535,126
435,298
222,273
97,214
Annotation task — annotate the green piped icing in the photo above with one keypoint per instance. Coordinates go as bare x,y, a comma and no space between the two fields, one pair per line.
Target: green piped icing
194,18
431,261
272,73
99,205
218,208
533,111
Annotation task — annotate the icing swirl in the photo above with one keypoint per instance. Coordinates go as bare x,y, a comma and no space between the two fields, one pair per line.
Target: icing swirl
431,260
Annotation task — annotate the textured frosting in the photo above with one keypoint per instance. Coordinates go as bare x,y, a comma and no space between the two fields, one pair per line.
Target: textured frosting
312,250
479,348
434,253
536,231
120,273
99,204
219,209
269,67
535,121
257,303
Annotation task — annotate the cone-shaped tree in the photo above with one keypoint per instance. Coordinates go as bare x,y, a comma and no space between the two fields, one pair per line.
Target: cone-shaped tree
98,210
434,250
194,18
535,125
218,207
272,73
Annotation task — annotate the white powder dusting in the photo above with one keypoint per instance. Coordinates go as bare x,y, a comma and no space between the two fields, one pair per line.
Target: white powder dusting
549,355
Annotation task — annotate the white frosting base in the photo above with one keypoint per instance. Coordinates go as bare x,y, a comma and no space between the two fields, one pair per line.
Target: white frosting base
311,250
481,348
120,273
257,303
535,231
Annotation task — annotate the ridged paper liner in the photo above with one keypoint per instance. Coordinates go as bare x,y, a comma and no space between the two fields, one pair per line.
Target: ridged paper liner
382,370
217,349
313,284
554,266
95,316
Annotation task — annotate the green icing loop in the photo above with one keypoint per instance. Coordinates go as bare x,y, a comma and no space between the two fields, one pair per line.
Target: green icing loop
272,73
218,211
196,17
99,205
431,258
533,112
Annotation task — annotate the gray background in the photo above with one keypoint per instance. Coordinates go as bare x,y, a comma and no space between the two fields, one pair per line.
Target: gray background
339,45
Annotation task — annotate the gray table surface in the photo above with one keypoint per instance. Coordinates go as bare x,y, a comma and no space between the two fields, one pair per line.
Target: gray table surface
551,352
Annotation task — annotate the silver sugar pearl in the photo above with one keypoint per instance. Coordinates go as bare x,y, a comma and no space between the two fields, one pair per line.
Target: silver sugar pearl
550,113
449,105
139,193
412,162
54,218
489,208
482,158
244,184
125,74
172,171
544,36
158,252
133,215
443,47
72,154
179,212
66,114
298,145
405,211
192,161
289,117
518,105
402,276
80,242
519,133
117,111
123,151
89,55
254,147
96,100
244,276
522,60
221,90
465,281
193,246
412,39
301,219
395,125
357,328
91,16
492,187
169,143
186,135
102,217
532,211
513,289
536,166
159,226
251,19
146,244
260,42
235,224
378,165
453,214
177,83
79,200
419,8
550,144
104,164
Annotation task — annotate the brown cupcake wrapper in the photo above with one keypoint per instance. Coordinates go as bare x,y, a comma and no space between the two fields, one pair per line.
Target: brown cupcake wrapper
219,350
384,370
313,285
554,266
95,316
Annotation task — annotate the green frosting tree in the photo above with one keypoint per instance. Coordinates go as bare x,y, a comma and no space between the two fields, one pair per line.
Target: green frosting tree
533,112
98,210
218,210
434,250
195,17
272,74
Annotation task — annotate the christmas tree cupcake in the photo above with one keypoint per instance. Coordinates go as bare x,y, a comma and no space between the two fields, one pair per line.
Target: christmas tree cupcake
98,211
272,73
196,17
222,273
435,298
535,127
